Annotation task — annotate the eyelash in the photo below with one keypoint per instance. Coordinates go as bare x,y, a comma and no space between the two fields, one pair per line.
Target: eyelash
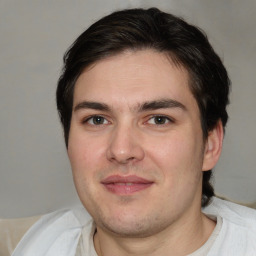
92,117
164,118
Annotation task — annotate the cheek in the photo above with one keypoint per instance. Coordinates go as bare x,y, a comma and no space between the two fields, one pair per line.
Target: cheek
85,152
172,151
178,157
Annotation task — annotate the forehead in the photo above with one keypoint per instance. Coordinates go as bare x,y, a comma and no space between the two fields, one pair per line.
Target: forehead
132,77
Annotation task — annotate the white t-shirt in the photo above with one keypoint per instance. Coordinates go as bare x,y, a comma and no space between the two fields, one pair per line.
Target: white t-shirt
203,250
70,233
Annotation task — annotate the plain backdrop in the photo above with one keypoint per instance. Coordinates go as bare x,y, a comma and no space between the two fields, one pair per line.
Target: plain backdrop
35,175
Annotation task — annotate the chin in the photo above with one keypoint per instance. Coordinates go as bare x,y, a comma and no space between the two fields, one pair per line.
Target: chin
130,226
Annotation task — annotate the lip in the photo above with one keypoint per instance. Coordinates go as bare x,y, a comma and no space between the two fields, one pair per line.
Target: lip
125,185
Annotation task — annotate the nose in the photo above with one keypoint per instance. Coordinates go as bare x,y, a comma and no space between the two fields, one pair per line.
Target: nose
125,146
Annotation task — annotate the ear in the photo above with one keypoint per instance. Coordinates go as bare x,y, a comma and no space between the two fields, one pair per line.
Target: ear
213,147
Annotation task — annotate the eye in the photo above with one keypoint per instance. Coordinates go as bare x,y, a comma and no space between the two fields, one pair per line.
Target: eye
159,120
96,120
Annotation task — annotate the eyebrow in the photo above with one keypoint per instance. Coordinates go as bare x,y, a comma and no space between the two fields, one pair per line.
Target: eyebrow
92,105
149,105
163,103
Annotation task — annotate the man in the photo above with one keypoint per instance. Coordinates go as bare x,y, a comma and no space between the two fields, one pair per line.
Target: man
142,99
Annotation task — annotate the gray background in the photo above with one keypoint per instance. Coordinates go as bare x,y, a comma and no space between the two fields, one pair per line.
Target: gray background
35,175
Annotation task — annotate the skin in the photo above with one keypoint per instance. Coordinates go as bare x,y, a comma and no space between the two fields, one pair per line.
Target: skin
120,136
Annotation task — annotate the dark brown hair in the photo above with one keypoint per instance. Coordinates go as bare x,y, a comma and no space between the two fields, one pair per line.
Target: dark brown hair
137,29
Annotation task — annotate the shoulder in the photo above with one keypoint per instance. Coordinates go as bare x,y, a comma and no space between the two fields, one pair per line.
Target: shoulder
238,232
62,227
233,212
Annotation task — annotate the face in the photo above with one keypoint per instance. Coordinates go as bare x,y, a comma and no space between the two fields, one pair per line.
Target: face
135,144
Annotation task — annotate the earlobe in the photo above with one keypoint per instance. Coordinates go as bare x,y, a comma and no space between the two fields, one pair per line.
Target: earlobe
213,147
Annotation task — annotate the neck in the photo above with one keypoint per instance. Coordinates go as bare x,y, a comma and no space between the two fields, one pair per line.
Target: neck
181,238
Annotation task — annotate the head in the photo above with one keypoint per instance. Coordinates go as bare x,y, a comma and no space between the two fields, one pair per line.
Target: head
136,30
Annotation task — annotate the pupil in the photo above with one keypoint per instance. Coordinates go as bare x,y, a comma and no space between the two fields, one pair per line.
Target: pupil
159,120
98,120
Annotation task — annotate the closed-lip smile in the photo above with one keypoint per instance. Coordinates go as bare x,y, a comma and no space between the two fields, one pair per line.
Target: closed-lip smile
125,185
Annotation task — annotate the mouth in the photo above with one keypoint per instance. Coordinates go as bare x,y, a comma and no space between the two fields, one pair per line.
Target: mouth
125,185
